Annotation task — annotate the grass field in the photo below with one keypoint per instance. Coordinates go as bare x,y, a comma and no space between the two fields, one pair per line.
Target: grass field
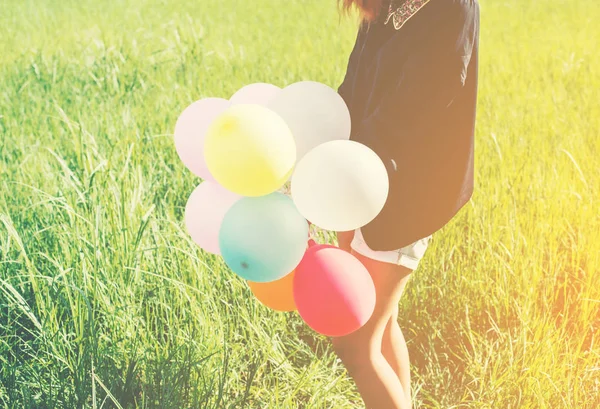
105,302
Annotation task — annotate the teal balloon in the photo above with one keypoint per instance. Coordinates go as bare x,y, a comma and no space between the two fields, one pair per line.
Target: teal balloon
264,238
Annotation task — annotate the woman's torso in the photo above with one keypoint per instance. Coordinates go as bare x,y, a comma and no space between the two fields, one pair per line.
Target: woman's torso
433,164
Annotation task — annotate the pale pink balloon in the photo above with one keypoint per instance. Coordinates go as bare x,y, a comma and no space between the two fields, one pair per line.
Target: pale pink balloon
259,93
204,213
190,132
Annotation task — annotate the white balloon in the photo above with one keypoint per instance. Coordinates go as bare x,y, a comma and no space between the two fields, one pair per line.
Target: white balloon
314,112
340,185
259,93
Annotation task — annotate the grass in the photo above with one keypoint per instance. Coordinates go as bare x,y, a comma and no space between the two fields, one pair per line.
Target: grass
105,302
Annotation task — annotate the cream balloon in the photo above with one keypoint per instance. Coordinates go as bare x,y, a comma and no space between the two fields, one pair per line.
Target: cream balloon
314,112
258,93
340,185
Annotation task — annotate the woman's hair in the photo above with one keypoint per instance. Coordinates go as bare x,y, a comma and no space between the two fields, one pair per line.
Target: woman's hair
369,9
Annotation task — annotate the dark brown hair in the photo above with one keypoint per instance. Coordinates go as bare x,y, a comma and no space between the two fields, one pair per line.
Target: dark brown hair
369,9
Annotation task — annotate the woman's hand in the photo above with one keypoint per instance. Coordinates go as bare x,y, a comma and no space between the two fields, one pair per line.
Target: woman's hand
345,239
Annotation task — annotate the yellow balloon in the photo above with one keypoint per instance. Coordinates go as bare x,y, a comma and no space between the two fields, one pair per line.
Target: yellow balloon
250,150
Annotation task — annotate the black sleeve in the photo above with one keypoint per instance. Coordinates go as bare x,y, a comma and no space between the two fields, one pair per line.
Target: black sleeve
433,73
345,88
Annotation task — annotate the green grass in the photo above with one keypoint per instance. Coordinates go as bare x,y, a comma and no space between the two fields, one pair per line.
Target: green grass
105,302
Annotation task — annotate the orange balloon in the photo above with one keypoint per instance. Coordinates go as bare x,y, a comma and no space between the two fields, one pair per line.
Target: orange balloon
277,295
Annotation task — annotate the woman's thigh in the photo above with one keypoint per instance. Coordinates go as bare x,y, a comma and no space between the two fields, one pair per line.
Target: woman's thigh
389,280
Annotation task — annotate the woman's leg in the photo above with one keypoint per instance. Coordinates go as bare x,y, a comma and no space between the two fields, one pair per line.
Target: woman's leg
361,351
393,345
394,350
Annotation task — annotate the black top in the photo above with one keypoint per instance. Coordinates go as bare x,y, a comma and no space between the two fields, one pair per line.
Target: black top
411,88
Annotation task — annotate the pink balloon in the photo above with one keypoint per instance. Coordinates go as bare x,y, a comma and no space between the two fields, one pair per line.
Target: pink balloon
190,131
259,93
204,213
333,291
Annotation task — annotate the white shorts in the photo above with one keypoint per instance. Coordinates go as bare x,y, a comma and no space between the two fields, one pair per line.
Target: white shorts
408,256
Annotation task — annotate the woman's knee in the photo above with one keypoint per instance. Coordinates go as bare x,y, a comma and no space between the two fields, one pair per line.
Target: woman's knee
364,342
356,352
391,324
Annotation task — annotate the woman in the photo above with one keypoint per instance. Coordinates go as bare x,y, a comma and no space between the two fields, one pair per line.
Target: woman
411,87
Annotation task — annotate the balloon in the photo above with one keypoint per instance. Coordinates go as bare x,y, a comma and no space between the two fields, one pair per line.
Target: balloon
190,131
314,112
258,93
250,150
277,295
340,185
263,238
204,213
333,291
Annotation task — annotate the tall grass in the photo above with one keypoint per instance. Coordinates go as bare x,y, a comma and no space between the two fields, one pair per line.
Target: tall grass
106,303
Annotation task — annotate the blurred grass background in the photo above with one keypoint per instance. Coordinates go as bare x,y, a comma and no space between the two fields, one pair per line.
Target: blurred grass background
105,302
